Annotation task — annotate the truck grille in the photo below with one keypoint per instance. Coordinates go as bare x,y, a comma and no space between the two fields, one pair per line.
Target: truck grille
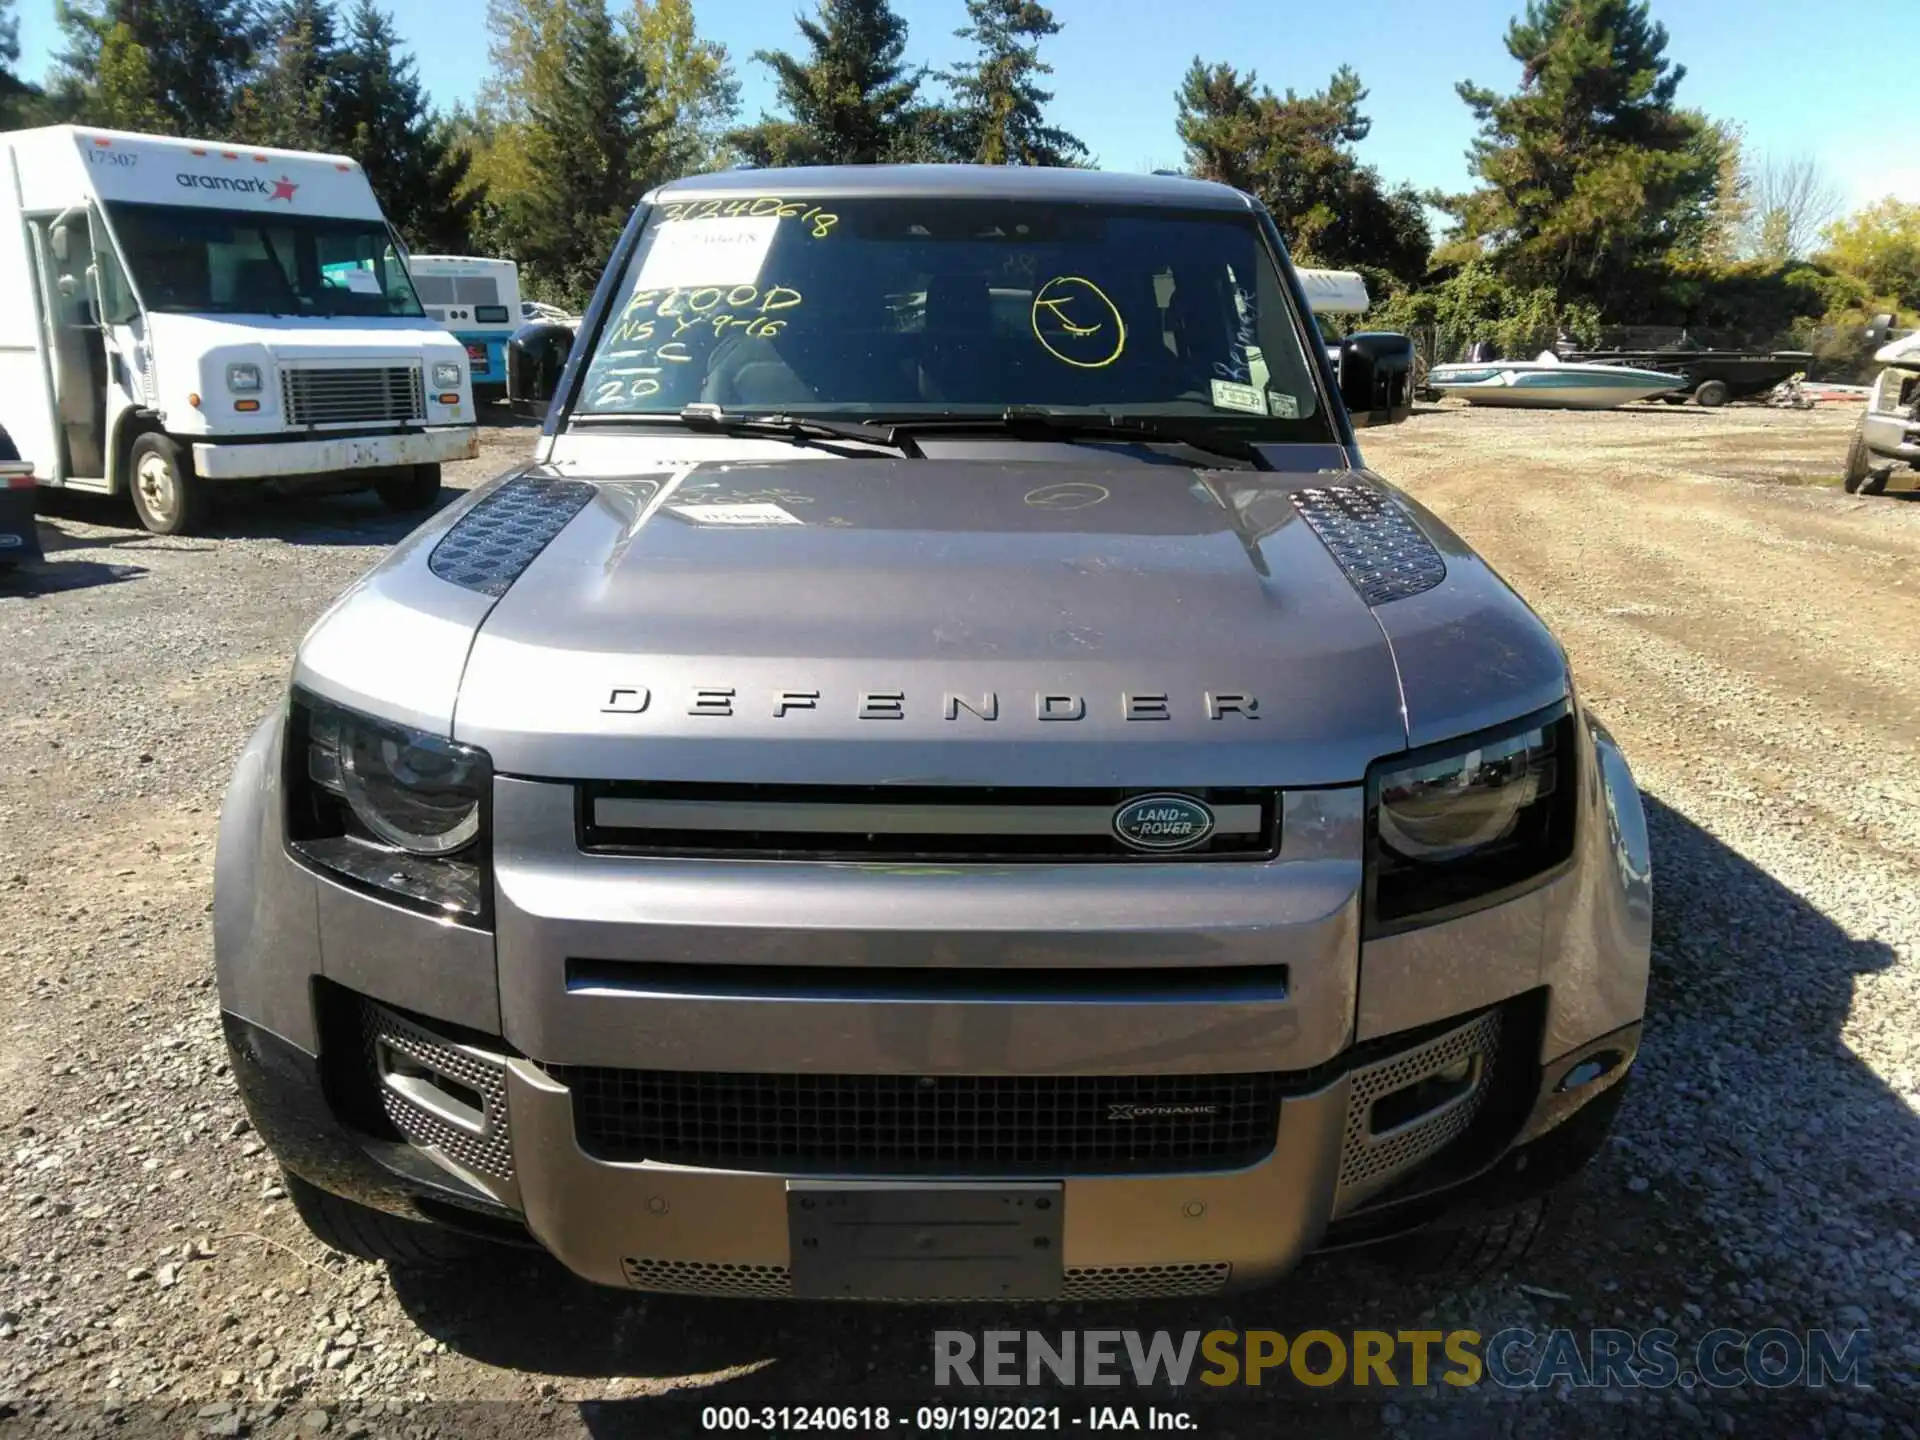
897,822
348,395
906,1124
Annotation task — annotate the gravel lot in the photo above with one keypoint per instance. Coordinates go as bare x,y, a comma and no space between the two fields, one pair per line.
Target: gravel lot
1750,633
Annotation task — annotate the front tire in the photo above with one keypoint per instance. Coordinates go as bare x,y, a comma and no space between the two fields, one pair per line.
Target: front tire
368,1234
417,488
1862,476
167,496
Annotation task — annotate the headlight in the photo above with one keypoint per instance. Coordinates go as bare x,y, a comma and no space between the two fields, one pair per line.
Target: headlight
446,377
386,806
1469,823
243,379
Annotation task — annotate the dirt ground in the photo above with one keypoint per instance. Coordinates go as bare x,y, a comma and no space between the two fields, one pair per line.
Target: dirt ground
1749,632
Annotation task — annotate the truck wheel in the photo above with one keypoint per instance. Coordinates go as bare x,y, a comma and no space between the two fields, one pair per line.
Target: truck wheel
1862,476
368,1234
413,489
167,496
1711,393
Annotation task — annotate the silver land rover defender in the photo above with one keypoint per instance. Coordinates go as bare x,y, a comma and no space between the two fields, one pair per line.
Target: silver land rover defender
944,776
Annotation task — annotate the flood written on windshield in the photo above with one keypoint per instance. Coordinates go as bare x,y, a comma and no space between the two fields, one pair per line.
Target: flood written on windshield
942,306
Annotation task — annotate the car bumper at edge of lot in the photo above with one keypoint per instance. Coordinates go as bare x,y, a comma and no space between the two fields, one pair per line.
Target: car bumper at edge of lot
335,453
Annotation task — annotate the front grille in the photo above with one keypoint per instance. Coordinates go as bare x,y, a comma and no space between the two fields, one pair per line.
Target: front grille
903,1124
918,823
347,395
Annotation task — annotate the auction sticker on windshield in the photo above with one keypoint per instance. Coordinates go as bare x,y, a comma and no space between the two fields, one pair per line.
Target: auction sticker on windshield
1229,395
716,252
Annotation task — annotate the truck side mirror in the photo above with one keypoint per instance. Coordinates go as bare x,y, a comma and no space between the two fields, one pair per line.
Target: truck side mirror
536,356
61,242
1376,377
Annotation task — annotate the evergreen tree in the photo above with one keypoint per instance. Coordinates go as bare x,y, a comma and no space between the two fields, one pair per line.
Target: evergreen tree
1000,110
20,102
573,134
697,95
381,118
851,101
291,101
1590,177
1295,152
196,54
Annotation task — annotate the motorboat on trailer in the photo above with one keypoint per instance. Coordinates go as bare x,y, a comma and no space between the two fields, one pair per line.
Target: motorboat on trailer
1549,383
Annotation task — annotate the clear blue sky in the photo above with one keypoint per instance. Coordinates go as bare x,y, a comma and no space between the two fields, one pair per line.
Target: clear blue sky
1798,76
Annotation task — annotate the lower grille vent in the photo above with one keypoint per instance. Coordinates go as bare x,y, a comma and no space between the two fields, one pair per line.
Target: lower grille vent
451,1098
774,1282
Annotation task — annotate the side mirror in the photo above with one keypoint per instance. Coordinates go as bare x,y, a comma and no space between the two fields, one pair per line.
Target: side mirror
62,243
536,356
1376,378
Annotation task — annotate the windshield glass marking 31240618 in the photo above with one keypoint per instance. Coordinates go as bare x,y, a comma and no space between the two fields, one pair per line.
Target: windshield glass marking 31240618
901,309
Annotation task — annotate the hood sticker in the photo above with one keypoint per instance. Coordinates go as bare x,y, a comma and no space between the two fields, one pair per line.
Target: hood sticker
758,513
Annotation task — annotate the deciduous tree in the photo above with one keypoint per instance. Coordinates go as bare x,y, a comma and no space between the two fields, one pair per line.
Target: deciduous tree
696,94
1790,199
1879,245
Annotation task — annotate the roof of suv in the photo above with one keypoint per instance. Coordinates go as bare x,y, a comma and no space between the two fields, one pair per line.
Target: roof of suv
1011,182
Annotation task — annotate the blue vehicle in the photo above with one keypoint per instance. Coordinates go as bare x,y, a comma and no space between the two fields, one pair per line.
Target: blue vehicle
477,299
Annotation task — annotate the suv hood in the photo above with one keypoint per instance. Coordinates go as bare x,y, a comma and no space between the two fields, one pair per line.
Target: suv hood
855,622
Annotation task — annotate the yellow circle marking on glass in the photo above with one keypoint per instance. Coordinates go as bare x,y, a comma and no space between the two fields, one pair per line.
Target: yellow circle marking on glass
1089,333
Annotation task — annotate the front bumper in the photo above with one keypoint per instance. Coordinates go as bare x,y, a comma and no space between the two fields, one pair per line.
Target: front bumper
1893,437
432,446
458,1054
516,1169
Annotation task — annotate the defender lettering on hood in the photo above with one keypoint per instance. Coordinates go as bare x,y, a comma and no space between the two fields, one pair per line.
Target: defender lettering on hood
721,701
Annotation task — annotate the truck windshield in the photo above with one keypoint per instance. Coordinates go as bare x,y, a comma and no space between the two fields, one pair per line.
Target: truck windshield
889,308
186,258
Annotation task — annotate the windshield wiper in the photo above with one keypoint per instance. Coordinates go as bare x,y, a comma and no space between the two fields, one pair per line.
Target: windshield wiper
712,420
1035,423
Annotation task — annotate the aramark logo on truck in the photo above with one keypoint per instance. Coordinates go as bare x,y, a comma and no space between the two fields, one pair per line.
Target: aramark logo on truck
281,189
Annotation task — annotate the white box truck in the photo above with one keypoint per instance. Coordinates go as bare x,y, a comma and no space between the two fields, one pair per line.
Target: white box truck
176,315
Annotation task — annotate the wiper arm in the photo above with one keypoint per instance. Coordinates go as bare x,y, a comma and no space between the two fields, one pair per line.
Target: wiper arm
794,427
1032,421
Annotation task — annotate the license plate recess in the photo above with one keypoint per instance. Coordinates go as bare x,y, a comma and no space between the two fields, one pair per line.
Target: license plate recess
886,1240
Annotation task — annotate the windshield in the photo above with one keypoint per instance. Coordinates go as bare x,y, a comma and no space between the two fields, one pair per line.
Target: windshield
186,258
891,308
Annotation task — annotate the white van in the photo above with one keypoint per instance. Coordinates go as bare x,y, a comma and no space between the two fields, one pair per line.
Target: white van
177,314
478,299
